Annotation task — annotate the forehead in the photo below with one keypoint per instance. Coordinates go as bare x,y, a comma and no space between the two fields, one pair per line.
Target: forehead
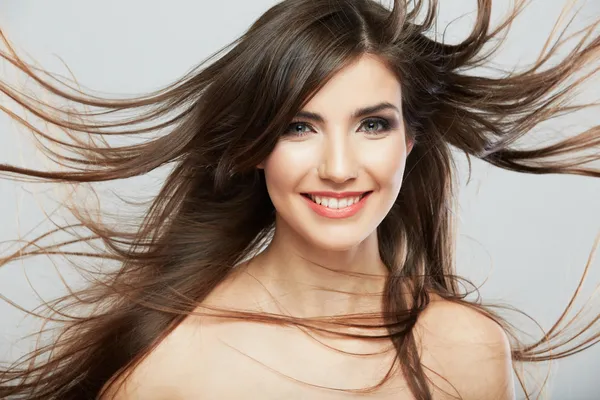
365,82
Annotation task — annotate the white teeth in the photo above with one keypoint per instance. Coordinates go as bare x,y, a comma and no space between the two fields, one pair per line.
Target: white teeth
333,203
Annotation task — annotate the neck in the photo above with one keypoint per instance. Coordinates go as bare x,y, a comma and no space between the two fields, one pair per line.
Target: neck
304,280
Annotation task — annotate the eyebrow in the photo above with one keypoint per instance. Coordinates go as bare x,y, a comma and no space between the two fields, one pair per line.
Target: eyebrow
361,112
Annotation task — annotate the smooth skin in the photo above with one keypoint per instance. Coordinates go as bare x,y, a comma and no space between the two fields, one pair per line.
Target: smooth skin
318,266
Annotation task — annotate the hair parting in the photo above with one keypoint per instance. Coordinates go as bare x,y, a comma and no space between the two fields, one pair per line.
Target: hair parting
213,126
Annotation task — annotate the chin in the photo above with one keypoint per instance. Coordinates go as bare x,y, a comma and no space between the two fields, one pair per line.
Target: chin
337,243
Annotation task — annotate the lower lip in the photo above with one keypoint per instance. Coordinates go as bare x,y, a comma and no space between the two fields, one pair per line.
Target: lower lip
345,212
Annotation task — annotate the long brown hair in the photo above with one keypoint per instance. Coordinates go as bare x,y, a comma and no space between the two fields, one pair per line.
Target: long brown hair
214,125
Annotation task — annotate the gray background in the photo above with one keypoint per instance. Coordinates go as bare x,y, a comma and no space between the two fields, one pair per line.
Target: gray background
528,237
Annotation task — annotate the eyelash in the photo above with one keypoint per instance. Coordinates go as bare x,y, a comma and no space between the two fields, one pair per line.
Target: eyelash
386,126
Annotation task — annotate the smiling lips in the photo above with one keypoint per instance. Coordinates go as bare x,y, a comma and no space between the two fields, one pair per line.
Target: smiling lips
336,205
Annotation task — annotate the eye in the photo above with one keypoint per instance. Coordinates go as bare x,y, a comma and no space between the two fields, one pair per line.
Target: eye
293,130
298,128
371,125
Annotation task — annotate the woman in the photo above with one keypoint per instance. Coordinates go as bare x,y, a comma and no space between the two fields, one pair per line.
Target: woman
302,244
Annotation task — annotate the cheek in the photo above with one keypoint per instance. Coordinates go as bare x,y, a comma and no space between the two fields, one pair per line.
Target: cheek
285,167
386,160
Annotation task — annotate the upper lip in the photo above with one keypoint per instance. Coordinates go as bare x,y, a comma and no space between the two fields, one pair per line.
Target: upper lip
337,195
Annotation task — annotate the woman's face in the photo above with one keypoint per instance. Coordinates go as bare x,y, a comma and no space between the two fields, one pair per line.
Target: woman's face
333,176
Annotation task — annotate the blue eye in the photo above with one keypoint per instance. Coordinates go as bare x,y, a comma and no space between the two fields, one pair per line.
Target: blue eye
374,121
370,124
293,128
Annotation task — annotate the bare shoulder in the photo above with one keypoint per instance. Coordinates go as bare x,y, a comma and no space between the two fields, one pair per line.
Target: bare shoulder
163,372
185,358
464,351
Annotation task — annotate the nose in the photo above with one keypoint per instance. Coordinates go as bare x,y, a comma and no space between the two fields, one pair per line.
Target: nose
338,162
